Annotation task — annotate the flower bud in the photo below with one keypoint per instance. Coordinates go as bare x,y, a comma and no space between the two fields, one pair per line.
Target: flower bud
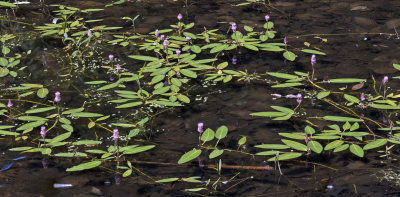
267,17
313,60
57,97
111,57
179,17
9,103
115,134
234,27
299,98
385,80
200,127
156,33
43,131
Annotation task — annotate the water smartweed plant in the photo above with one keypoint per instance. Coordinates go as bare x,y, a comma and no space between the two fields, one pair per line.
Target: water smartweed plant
169,65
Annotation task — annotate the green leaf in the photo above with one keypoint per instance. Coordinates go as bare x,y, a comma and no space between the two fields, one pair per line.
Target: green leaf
42,92
251,47
138,149
297,136
195,189
289,55
127,105
95,151
193,154
309,130
60,137
157,79
143,58
283,75
73,110
207,135
74,154
127,173
85,115
195,49
30,125
221,132
32,118
272,146
295,145
375,144
269,114
351,98
7,4
183,98
95,82
396,66
283,109
39,110
188,73
286,156
168,103
323,94
333,144
84,166
248,28
167,180
20,148
271,152
67,127
284,85
218,48
161,90
342,119
382,106
215,153
315,146
313,52
357,150
347,80
355,134
8,133
86,142
242,140
341,148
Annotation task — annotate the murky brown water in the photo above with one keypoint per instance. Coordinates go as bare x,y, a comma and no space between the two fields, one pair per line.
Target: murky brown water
354,48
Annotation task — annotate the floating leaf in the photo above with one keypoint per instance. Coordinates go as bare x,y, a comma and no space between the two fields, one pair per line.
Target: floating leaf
42,92
282,75
95,151
286,156
284,85
289,55
375,144
193,154
357,150
207,135
382,106
39,110
269,114
84,166
295,145
215,153
30,125
351,98
283,109
271,152
297,136
168,103
60,137
323,94
127,105
138,149
221,132
342,119
20,148
242,140
188,73
346,80
67,127
86,115
167,180
127,173
74,154
309,130
8,133
86,142
313,52
272,146
333,144
32,118
341,148
315,146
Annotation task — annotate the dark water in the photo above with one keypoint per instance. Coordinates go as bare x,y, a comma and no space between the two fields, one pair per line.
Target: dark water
354,47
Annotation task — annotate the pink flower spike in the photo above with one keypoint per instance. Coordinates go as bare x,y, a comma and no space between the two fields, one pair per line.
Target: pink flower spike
385,80
187,38
9,103
118,68
162,37
285,40
156,33
362,97
115,134
391,125
178,52
267,17
43,131
299,98
111,57
165,44
234,27
313,60
57,97
179,17
200,127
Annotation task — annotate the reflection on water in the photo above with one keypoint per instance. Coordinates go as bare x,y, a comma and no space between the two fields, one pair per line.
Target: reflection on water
348,31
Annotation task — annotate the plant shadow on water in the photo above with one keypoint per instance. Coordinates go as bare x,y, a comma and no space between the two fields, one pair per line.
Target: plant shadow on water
148,112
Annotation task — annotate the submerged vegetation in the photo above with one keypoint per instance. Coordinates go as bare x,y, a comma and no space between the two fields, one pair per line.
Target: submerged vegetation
121,98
